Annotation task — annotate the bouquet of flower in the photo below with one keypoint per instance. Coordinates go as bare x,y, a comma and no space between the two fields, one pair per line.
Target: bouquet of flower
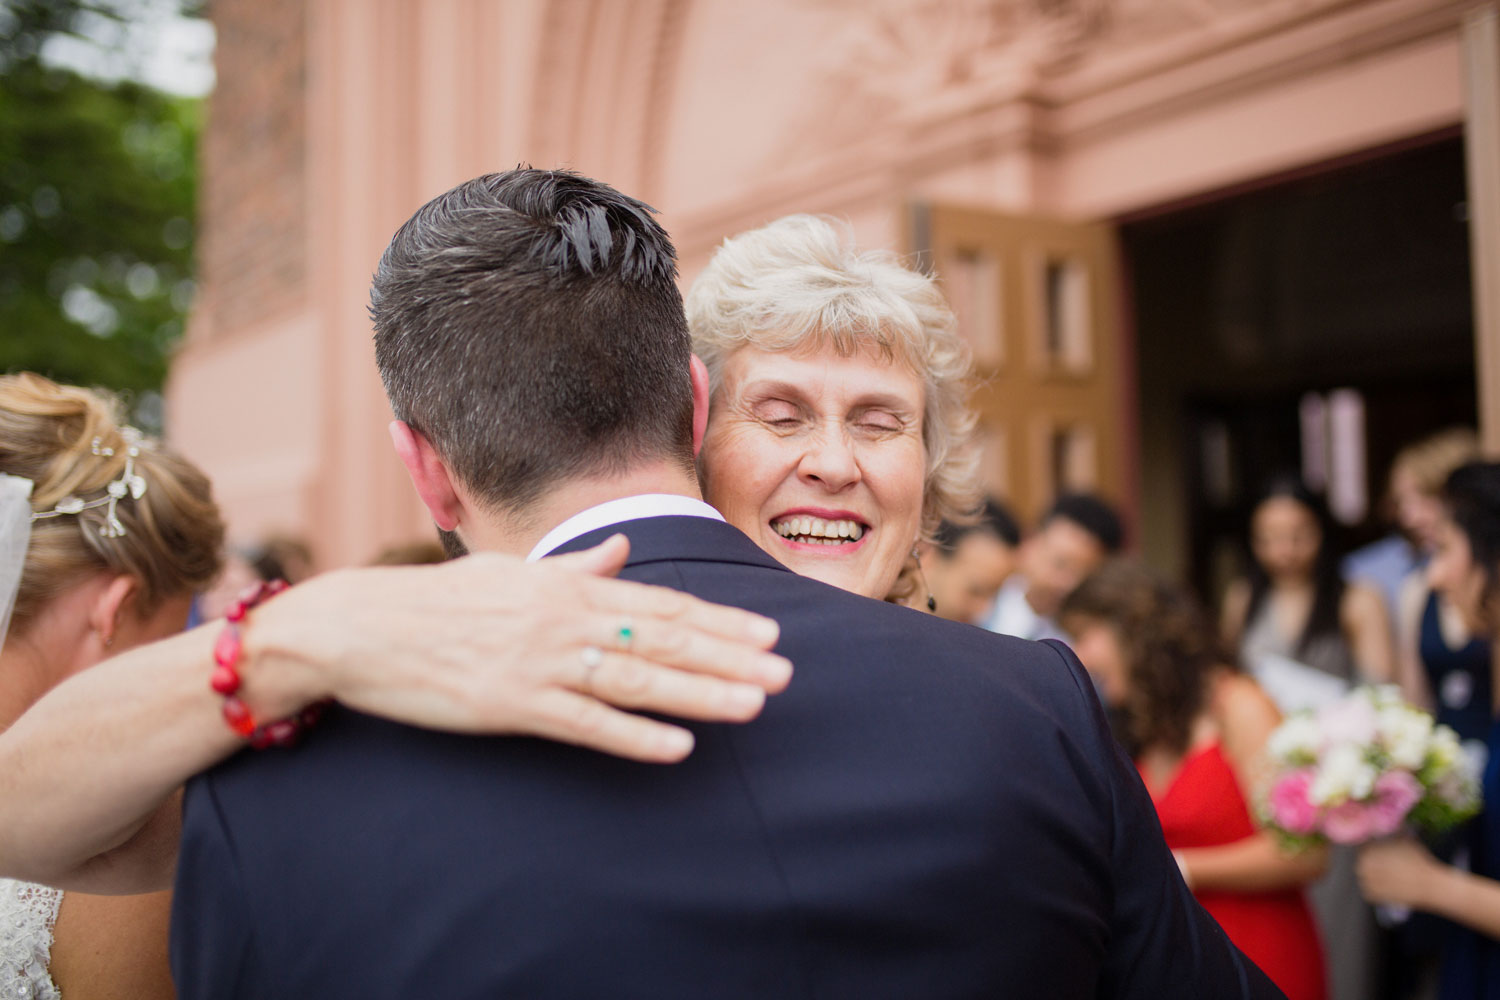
1363,767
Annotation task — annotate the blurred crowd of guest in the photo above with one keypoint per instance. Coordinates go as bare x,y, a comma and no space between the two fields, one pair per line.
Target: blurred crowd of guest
1301,625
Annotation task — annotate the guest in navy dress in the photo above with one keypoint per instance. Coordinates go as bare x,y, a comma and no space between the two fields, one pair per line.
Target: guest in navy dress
1466,569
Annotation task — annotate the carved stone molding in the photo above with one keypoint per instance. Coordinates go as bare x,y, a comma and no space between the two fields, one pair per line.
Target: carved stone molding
914,86
895,56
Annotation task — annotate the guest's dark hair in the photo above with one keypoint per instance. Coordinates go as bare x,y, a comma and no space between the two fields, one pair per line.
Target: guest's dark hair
529,325
1092,515
1328,579
1472,494
1169,649
993,518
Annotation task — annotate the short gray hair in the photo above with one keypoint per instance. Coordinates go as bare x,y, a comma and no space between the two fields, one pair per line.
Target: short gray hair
800,283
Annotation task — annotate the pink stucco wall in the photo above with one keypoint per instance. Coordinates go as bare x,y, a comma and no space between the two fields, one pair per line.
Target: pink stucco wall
728,114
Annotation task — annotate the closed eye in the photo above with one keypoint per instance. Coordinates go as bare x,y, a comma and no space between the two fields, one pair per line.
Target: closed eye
880,421
777,413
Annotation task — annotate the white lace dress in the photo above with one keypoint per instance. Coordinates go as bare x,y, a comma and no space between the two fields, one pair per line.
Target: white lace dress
27,913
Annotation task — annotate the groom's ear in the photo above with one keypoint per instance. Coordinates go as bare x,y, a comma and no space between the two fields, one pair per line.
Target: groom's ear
700,401
428,474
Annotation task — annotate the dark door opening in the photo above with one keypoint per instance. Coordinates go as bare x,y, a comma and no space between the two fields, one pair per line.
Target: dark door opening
1346,291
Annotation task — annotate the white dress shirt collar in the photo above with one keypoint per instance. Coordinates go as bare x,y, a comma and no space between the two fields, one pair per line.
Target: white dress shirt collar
617,512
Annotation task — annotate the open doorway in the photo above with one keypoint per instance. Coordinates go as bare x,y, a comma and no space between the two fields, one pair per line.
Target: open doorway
1315,324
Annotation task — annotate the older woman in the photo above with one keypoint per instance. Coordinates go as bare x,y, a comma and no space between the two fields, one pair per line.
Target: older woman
838,432
838,439
1465,569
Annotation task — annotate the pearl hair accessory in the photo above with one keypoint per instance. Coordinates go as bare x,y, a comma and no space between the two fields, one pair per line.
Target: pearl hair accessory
129,484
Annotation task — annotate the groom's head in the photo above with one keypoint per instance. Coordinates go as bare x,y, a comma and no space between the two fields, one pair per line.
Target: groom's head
528,326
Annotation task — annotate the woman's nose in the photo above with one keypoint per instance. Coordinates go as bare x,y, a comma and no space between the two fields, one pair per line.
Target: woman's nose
830,460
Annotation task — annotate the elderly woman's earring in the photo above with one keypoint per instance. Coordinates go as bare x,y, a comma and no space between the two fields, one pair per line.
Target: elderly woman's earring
922,575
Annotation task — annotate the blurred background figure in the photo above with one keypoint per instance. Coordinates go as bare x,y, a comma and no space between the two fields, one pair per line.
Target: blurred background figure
1414,507
1197,728
1464,568
1442,666
1292,619
282,557
279,557
966,563
237,576
1307,636
418,552
1075,535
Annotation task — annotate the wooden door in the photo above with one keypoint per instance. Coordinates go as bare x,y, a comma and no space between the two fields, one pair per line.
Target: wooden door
1039,302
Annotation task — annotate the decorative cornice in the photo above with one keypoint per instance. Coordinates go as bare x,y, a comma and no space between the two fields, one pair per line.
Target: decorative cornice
1119,64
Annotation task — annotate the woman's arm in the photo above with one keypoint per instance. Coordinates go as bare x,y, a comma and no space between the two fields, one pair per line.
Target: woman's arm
1256,864
1368,626
1411,602
1404,873
1246,717
89,774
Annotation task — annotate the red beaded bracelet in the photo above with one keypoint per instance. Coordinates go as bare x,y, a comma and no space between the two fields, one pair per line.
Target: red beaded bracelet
226,678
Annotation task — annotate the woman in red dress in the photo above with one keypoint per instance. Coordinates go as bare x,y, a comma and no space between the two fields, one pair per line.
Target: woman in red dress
1197,728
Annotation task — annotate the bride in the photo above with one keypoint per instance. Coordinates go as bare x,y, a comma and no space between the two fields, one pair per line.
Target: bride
838,438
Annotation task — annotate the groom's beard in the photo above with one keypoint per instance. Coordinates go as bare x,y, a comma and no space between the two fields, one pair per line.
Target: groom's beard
453,546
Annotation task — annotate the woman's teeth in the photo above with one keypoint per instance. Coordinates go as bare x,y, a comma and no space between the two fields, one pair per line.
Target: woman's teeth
816,531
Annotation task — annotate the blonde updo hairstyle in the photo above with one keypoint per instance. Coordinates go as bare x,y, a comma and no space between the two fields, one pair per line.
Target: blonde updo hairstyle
173,532
800,285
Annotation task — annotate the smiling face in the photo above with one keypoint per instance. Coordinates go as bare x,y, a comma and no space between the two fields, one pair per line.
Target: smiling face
820,460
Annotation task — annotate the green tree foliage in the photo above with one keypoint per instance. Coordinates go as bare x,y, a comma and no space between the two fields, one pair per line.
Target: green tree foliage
97,198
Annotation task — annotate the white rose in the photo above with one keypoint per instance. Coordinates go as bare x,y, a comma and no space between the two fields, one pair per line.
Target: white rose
1339,774
1406,735
1297,737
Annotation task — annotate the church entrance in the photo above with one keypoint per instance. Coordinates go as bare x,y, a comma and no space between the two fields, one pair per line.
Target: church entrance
1314,324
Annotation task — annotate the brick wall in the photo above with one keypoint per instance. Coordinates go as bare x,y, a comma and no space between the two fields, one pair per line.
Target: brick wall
253,202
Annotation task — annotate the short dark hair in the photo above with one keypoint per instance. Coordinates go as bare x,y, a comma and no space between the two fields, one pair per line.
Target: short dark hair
993,518
1092,515
529,325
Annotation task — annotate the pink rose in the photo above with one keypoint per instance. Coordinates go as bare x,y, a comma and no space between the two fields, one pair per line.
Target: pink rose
1395,794
1349,823
1291,808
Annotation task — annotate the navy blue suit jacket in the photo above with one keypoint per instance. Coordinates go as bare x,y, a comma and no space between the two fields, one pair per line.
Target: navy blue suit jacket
928,811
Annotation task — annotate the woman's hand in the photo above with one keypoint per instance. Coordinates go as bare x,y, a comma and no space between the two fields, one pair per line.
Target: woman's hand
1399,872
490,644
